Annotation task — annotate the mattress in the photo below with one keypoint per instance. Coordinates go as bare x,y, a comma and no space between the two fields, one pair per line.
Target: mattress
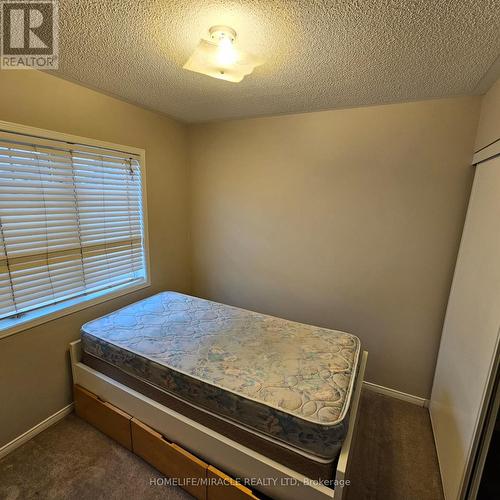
310,466
289,381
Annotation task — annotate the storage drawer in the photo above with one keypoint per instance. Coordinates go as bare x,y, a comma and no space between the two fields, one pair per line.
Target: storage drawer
222,487
170,459
110,420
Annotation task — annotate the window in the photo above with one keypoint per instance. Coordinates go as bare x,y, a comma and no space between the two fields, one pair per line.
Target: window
71,225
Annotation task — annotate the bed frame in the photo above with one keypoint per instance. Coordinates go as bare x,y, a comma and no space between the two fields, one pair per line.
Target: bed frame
268,476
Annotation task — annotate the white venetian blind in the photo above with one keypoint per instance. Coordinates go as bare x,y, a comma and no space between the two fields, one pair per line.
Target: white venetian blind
70,222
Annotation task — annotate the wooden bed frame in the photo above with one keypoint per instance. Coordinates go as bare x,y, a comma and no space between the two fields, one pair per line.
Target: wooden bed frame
207,448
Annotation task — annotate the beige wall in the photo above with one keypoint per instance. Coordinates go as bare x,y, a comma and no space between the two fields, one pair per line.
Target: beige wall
34,368
348,219
488,129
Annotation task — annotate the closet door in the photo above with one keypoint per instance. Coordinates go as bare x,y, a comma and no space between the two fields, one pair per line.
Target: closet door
467,355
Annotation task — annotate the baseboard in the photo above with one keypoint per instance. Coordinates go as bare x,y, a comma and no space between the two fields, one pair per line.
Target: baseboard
31,433
409,398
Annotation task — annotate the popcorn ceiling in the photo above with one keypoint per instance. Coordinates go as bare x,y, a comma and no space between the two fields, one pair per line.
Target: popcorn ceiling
319,54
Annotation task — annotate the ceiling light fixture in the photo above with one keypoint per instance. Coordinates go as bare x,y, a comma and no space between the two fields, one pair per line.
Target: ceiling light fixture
219,58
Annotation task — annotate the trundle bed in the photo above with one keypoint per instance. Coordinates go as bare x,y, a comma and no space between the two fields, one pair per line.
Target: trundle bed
269,401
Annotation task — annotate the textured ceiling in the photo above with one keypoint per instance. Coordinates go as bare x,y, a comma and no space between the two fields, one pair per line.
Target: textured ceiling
319,54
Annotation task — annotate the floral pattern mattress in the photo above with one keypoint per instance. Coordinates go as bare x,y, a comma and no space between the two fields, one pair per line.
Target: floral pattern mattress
289,381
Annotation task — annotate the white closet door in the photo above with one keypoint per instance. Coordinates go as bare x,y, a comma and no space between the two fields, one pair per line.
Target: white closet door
470,335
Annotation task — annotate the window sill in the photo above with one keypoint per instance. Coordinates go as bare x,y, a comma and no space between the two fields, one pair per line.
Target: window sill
34,318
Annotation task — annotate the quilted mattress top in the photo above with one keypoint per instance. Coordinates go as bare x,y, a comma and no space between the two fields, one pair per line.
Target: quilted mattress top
302,370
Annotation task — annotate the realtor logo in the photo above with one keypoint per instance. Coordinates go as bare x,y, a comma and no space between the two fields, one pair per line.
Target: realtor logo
29,35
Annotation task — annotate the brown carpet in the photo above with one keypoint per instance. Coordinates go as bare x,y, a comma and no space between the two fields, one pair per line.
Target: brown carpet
394,456
394,459
72,460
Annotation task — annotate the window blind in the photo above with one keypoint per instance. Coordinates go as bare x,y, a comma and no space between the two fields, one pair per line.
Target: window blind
71,222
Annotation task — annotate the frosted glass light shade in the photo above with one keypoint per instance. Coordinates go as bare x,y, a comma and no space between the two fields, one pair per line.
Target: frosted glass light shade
221,60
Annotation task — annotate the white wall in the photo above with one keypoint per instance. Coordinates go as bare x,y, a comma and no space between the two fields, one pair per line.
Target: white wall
471,329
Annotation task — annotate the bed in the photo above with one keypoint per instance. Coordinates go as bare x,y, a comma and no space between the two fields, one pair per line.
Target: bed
278,387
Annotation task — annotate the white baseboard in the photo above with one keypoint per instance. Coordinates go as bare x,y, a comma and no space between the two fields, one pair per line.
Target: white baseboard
409,398
31,433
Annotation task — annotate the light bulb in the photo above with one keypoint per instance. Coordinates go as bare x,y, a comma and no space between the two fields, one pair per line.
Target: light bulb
226,54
